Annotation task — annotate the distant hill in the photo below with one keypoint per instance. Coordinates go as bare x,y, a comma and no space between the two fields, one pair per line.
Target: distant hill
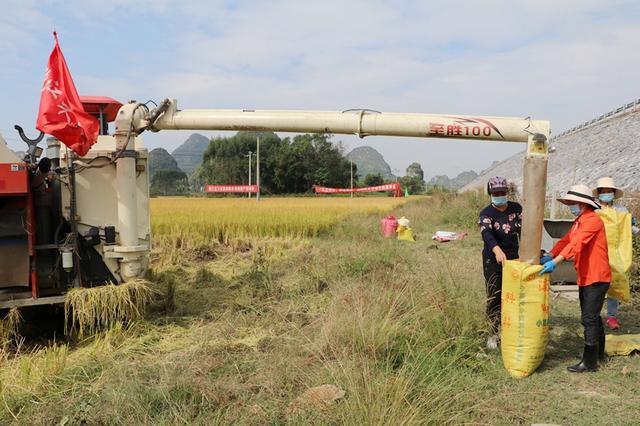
369,161
444,181
160,159
189,154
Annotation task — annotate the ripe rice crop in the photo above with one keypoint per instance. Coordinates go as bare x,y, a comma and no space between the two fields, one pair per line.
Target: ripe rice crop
198,220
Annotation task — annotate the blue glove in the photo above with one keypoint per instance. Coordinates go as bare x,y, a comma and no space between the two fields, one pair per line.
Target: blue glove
544,259
548,267
634,221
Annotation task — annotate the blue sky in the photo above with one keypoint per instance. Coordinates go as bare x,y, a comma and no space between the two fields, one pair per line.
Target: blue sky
565,61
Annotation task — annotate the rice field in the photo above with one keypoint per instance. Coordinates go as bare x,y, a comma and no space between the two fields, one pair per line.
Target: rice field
177,220
238,335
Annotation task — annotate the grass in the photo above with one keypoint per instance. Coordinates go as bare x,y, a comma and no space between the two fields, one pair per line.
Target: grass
245,327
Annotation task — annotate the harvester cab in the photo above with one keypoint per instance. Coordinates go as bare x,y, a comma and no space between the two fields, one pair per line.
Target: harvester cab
69,221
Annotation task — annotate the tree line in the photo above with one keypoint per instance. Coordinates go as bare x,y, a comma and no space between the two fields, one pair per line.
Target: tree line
290,165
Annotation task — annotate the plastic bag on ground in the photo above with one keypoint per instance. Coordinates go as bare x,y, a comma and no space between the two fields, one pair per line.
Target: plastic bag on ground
525,317
619,241
445,236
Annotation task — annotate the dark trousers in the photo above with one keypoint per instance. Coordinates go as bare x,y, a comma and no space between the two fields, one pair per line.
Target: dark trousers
591,300
493,281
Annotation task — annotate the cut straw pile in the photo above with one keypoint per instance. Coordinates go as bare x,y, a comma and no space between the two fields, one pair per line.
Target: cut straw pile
90,309
9,328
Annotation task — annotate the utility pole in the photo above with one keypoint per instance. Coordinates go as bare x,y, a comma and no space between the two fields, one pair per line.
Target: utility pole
351,178
249,155
258,168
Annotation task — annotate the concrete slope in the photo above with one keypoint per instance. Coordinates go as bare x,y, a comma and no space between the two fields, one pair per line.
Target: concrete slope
607,147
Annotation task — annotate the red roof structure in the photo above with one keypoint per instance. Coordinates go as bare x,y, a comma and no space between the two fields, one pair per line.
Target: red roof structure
96,104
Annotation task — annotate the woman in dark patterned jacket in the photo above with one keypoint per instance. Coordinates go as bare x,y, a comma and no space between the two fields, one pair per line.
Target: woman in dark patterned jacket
500,224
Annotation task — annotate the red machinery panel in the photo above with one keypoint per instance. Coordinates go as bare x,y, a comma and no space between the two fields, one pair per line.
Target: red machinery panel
14,178
17,240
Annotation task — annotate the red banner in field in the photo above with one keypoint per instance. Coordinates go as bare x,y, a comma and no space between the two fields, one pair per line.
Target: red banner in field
395,187
231,188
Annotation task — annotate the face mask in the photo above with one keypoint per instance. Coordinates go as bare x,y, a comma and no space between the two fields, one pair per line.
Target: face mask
575,210
606,198
499,201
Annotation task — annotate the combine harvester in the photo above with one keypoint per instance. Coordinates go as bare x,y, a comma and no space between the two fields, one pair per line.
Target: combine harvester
90,225
73,222
70,221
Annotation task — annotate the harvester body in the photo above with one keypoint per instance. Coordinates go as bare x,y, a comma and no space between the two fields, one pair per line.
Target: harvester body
61,215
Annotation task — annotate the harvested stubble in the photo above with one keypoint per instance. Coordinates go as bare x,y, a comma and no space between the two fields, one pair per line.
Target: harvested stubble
90,309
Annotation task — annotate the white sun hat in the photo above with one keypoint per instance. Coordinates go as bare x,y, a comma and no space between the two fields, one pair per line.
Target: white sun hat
579,194
607,182
403,221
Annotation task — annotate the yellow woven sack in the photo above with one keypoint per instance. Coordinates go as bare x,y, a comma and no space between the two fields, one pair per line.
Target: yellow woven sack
525,317
622,345
404,233
619,241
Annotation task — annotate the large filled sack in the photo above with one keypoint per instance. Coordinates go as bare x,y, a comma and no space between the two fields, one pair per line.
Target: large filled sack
622,345
405,233
525,317
619,241
389,225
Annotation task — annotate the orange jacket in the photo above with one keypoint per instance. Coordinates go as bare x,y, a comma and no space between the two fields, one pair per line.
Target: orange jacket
586,243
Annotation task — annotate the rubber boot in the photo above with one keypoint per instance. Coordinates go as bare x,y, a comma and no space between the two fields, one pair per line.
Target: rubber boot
602,354
589,360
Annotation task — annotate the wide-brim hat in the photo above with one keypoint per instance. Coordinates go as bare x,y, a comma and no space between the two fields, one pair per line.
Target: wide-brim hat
579,194
403,221
607,182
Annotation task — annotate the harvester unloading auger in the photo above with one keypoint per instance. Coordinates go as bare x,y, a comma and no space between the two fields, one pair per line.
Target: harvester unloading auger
90,226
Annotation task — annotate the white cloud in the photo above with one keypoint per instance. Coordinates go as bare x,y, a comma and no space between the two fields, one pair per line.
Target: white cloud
18,22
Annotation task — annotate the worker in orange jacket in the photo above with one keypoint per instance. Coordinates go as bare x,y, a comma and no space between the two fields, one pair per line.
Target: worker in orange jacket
586,243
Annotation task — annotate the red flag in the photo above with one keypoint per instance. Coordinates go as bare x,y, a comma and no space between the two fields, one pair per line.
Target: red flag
61,113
